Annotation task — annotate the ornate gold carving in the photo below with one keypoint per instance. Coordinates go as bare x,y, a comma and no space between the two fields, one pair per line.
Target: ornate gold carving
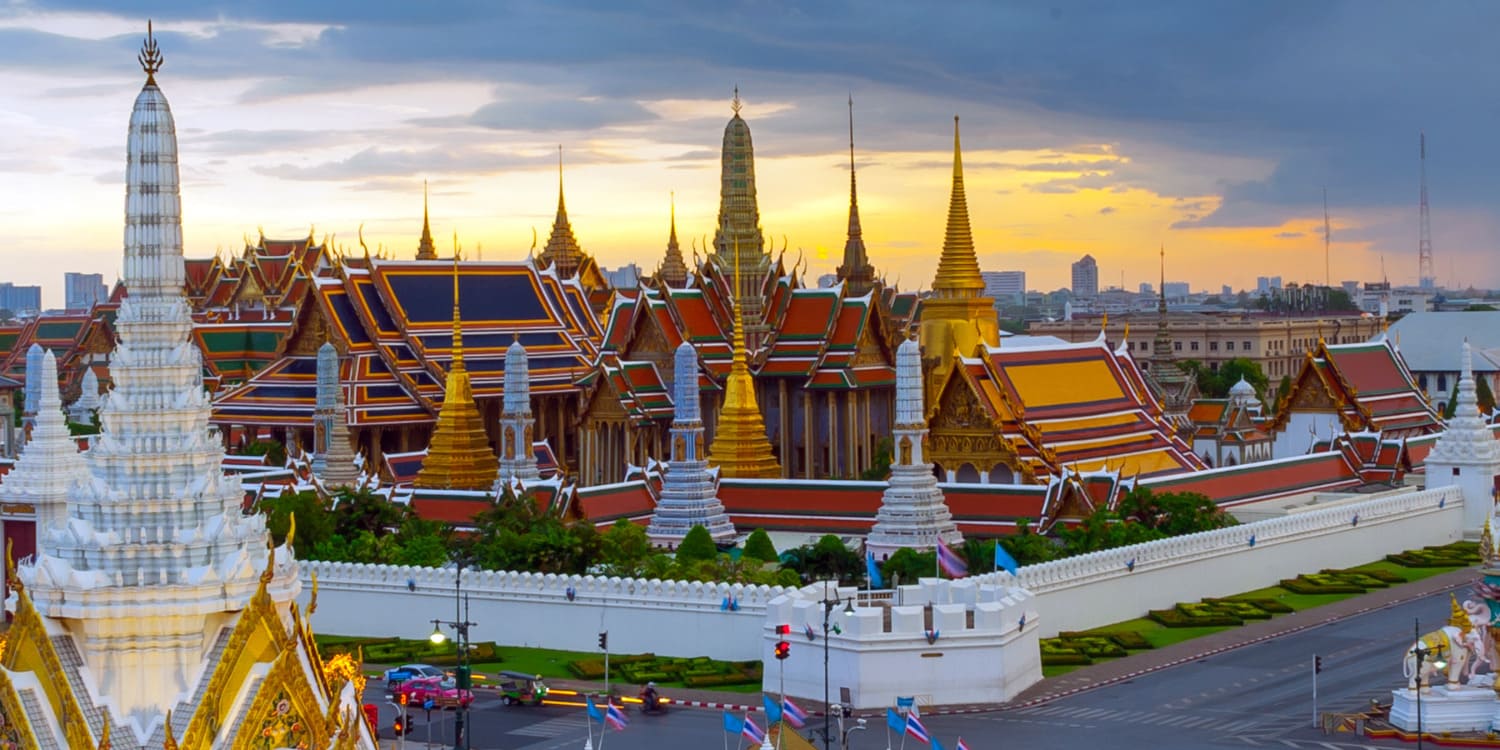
905,459
509,441
29,649
258,636
679,448
15,731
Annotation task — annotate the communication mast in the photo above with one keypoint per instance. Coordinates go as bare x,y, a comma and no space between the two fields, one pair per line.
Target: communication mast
1425,275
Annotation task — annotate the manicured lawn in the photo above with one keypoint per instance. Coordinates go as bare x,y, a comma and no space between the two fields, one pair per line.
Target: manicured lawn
1159,635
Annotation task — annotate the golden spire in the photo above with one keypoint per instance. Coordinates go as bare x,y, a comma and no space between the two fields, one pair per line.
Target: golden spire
1457,617
958,268
562,251
150,57
735,105
673,271
740,448
425,248
459,455
1487,543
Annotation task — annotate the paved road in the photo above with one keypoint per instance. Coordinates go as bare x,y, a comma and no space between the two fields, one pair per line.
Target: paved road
1259,695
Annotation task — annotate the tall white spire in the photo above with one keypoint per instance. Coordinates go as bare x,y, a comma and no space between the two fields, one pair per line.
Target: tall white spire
333,460
156,549
32,393
49,465
82,410
689,490
913,512
517,460
1465,454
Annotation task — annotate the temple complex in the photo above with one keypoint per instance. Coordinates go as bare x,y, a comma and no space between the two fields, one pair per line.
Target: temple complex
154,612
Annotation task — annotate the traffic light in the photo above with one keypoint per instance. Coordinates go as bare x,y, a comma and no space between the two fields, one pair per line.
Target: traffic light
1317,664
783,649
404,698
604,641
783,629
402,726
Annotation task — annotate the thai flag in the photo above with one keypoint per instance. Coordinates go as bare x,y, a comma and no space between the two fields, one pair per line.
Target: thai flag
950,562
615,717
960,745
752,732
808,629
792,713
914,728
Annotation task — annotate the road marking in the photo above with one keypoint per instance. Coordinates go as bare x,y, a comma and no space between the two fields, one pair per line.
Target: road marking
550,727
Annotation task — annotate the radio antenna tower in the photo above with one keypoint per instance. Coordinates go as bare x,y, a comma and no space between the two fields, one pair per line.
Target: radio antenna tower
1425,275
1327,242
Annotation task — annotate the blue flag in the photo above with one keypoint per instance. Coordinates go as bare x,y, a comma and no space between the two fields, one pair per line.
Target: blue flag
733,724
894,721
594,710
876,582
773,710
1003,560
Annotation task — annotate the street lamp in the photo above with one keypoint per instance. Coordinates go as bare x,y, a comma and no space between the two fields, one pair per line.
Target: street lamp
828,606
1420,653
463,679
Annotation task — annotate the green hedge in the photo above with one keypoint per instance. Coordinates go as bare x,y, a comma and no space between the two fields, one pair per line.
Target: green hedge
1305,585
1065,660
1176,618
1269,605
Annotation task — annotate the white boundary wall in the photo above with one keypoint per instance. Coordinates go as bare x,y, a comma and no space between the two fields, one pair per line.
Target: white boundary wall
1100,588
669,618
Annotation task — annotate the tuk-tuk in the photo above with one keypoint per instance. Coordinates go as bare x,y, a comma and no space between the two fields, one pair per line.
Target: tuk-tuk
520,688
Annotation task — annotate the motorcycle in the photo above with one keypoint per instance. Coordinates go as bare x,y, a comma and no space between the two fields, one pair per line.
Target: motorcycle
652,702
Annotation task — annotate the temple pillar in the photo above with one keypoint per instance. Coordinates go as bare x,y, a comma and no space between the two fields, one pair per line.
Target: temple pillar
785,421
831,399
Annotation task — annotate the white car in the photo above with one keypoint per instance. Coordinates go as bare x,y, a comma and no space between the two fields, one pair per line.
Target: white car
398,675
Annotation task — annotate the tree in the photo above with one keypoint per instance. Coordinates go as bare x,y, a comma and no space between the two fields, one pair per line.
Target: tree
1028,547
624,548
364,510
1452,403
1230,373
1172,513
829,557
697,546
1102,530
314,522
759,547
907,564
880,469
1483,393
1283,388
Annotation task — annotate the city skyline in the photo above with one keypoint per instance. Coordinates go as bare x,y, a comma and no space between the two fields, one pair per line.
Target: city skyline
332,118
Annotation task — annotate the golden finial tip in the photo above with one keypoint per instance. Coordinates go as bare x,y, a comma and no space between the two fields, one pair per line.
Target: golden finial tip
150,56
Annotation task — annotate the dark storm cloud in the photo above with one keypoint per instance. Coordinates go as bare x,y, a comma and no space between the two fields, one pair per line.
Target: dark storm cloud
1331,92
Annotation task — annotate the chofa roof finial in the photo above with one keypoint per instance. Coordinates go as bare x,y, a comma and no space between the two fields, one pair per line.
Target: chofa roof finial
150,57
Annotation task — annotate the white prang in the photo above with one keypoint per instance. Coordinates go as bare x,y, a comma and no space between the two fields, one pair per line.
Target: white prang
49,466
155,553
333,459
82,410
913,511
689,490
1465,454
517,459
31,394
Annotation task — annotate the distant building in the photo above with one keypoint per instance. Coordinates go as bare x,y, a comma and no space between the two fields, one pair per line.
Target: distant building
1086,277
1226,291
83,290
1146,288
827,280
1005,285
1432,345
1379,298
20,299
1278,343
1176,289
624,277
1264,284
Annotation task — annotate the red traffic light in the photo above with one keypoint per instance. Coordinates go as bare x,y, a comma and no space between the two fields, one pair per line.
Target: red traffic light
783,649
783,629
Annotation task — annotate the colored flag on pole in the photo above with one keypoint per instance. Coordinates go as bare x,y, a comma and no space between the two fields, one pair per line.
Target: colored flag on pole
950,562
735,725
1003,560
752,732
773,711
807,629
792,713
894,721
615,717
915,728
876,582
960,745
593,709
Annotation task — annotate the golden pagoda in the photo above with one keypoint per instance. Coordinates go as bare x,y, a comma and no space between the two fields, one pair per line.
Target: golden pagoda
740,448
459,456
425,249
957,317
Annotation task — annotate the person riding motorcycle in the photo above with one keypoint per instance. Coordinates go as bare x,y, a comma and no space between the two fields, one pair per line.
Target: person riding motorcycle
649,698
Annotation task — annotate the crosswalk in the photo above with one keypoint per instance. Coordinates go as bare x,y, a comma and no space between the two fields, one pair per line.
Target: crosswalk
551,727
1091,716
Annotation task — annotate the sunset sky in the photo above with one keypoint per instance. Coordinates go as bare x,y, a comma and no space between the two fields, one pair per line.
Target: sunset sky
1107,128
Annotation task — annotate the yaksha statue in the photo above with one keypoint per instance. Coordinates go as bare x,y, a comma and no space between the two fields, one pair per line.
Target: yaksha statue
1461,645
